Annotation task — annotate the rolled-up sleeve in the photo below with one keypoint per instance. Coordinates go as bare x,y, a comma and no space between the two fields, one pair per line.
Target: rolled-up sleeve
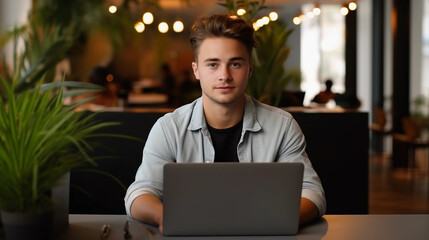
294,146
149,176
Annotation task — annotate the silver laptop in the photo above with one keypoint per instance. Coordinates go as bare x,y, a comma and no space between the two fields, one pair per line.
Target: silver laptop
209,199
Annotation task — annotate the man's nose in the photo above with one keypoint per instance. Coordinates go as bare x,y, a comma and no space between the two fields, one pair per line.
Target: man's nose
225,74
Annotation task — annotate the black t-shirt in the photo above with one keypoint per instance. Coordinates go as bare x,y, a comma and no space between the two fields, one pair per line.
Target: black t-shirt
225,142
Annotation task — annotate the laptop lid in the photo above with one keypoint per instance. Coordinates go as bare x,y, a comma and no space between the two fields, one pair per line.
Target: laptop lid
232,198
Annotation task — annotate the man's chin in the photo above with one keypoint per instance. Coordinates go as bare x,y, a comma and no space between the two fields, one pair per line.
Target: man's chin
227,100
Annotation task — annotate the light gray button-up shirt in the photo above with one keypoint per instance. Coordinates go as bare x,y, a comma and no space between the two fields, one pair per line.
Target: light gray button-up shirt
269,134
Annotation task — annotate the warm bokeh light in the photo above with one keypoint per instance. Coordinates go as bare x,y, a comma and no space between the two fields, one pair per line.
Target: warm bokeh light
241,12
273,16
147,18
163,27
178,26
109,77
260,23
255,26
113,9
139,27
317,11
296,20
265,20
310,14
352,6
344,11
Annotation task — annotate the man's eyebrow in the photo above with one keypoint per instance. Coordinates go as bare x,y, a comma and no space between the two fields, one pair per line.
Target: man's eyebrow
237,59
212,60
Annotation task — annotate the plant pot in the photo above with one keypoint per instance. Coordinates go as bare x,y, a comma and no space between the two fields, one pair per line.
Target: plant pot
60,201
43,226
34,226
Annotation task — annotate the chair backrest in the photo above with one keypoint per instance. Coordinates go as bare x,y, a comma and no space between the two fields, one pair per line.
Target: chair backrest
380,117
410,127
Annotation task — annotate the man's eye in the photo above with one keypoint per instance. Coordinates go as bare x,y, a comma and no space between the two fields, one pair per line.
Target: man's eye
236,65
212,65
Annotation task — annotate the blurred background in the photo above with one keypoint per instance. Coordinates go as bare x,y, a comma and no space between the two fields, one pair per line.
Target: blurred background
375,54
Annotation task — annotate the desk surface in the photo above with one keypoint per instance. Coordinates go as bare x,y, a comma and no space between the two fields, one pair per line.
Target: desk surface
404,226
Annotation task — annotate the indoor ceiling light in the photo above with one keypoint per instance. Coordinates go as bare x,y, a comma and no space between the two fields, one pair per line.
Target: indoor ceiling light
163,27
147,18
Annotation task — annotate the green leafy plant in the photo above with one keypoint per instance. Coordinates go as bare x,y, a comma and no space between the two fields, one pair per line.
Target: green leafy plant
419,112
77,19
41,138
270,78
420,108
75,22
43,49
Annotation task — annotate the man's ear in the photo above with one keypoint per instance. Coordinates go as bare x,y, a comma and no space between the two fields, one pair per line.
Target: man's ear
195,70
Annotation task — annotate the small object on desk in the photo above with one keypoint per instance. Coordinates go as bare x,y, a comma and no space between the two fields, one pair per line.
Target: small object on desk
127,234
150,231
105,230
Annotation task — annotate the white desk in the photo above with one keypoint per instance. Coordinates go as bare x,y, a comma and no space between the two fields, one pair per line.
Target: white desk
349,227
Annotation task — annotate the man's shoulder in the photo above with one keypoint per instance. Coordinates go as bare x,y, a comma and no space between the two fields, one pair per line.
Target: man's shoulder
272,120
265,110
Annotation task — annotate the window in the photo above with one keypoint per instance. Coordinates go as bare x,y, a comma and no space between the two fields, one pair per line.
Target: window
425,50
322,50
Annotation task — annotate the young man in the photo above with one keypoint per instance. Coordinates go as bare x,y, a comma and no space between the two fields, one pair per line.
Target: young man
224,123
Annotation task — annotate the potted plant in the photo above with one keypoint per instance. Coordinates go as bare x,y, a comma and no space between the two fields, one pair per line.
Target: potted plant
41,138
269,78
419,113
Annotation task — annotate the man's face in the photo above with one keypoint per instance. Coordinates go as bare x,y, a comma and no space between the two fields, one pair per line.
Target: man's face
223,67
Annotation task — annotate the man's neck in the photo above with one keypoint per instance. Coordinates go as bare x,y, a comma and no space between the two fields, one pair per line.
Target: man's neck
221,116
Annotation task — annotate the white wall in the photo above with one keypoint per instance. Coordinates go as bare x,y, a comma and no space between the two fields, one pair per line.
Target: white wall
388,56
364,53
12,13
416,33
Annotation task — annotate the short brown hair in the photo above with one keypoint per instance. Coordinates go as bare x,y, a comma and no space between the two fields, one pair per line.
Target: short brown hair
222,25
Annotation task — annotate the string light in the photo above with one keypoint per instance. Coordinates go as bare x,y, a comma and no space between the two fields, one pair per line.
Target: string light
310,14
296,20
260,23
139,27
147,18
163,27
178,26
113,9
255,26
265,20
317,10
241,12
352,6
344,11
273,16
